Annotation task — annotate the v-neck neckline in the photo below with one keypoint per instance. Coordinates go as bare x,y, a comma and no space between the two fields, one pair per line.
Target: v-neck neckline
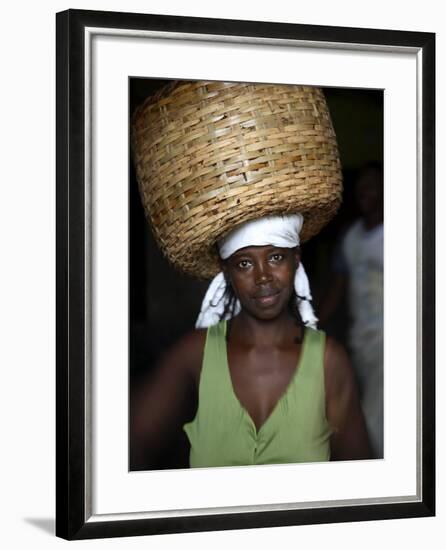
282,397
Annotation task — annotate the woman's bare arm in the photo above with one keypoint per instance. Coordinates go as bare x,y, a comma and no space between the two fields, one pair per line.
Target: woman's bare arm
165,400
349,440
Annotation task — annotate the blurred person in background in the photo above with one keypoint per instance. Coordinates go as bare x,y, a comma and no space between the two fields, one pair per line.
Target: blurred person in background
358,271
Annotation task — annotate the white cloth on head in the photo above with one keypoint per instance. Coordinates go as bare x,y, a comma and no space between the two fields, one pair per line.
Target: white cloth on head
280,231
214,303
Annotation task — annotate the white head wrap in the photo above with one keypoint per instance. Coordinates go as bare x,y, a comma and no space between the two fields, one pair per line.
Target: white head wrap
280,231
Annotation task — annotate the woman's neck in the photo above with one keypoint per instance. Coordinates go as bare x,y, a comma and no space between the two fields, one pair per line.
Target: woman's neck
265,333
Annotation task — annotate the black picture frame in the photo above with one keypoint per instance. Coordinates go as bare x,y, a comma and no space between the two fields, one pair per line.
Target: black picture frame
73,514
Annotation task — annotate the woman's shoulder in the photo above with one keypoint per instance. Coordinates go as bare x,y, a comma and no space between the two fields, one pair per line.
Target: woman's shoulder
335,355
339,374
186,354
192,341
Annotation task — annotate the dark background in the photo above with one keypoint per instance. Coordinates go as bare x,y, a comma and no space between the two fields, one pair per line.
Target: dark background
164,304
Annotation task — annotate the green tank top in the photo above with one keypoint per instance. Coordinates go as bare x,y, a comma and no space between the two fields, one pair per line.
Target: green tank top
223,433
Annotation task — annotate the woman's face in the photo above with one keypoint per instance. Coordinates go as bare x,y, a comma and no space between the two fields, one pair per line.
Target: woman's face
262,278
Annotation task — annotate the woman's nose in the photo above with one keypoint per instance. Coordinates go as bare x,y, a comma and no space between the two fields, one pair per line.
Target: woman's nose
262,274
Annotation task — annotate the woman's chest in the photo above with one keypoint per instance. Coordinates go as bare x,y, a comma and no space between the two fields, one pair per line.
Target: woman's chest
260,379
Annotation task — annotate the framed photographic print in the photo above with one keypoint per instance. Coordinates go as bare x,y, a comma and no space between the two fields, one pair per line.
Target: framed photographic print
120,304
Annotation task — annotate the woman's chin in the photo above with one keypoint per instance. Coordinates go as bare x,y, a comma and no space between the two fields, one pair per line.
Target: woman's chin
266,311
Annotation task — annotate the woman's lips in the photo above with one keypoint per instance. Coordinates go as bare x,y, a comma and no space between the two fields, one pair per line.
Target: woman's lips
266,298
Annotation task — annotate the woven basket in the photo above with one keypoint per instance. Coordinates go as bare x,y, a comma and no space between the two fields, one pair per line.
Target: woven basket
212,155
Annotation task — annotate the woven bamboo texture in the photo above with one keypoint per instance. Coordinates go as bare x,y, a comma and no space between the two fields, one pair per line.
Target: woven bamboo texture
212,155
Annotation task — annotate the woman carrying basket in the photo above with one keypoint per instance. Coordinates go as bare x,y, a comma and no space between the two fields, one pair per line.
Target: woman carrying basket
255,382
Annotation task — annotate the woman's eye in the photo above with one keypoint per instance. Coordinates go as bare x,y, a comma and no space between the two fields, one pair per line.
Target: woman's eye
276,257
243,264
